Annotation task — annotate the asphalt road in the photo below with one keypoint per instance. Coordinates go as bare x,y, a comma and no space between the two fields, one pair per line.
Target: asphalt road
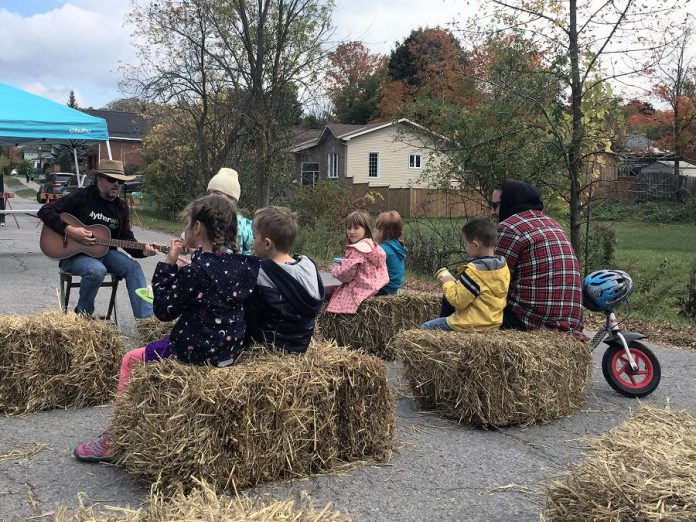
441,471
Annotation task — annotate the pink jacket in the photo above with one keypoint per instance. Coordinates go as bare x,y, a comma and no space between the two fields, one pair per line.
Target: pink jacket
363,272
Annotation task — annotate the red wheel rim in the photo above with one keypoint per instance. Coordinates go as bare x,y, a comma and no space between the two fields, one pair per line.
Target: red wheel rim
621,368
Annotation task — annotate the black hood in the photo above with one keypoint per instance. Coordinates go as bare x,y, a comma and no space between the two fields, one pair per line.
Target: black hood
517,197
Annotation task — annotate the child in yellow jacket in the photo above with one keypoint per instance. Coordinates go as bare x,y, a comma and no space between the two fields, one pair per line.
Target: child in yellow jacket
478,294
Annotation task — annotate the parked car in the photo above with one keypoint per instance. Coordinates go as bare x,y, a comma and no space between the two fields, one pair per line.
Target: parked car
54,184
72,184
133,186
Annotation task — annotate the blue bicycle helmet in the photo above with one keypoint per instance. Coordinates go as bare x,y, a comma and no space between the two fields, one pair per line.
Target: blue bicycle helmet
606,289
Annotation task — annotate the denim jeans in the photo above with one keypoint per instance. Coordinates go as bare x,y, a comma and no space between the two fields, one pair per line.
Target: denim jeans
436,324
93,270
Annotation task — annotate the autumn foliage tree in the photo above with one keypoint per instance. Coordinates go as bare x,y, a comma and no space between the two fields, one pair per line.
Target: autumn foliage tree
495,133
353,82
677,88
431,63
584,44
229,73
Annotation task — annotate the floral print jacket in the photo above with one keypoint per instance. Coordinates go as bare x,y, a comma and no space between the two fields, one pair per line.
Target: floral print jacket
363,272
207,296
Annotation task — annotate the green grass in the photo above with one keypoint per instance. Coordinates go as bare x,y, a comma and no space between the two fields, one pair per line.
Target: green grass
658,257
26,193
12,180
153,220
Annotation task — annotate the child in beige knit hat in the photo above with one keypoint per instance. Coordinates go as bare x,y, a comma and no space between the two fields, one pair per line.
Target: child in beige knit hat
226,183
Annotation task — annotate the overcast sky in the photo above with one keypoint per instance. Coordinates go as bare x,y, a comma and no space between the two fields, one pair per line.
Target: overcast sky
52,46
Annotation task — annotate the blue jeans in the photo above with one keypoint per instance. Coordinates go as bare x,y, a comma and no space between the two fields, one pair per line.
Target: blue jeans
436,324
93,270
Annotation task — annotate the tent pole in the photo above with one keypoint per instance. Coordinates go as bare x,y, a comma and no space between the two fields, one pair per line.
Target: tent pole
108,149
77,168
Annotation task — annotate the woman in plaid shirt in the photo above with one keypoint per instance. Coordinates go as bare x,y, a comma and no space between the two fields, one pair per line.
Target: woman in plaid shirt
545,286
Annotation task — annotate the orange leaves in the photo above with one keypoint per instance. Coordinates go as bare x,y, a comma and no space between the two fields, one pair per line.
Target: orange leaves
350,62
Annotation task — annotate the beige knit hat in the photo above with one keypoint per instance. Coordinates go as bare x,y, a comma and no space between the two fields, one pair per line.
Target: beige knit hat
227,182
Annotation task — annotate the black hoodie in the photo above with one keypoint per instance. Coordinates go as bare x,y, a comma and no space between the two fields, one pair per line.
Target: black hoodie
516,197
281,311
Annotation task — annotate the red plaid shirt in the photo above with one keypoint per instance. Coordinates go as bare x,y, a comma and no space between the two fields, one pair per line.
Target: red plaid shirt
545,284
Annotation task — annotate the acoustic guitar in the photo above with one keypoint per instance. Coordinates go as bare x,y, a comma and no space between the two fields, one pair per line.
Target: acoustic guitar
57,246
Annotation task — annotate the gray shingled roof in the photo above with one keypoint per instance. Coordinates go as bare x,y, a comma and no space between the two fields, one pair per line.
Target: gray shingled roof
344,129
122,124
299,135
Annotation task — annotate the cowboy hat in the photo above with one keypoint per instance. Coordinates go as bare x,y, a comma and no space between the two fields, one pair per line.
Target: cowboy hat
111,168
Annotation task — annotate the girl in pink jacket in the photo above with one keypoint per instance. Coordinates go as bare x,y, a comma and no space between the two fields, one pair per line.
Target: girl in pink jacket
363,270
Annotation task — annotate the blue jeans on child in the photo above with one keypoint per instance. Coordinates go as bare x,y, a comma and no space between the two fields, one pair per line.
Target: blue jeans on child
436,324
93,271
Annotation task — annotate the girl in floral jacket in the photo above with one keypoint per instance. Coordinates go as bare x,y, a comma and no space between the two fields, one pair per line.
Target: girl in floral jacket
207,296
363,270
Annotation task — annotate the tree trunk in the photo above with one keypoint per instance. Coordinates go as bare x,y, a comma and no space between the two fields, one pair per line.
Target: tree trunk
575,148
677,124
263,187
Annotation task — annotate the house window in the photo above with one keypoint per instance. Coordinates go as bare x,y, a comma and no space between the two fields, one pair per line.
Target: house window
373,165
414,161
310,173
333,165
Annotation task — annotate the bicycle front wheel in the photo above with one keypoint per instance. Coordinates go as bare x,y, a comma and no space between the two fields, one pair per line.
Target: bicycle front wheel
620,376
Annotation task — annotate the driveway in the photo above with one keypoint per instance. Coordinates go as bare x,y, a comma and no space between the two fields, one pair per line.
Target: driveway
440,471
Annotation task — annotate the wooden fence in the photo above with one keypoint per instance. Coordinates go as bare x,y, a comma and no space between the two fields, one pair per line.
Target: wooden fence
415,202
648,186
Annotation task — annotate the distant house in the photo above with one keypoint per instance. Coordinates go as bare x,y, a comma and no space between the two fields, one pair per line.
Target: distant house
126,133
637,145
643,172
391,154
388,158
36,154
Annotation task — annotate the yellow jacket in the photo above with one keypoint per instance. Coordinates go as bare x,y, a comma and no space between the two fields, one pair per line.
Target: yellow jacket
478,294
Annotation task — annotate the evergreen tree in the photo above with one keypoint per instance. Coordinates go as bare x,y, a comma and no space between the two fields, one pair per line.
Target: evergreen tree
72,101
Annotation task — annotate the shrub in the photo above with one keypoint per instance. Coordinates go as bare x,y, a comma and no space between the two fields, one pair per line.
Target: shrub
654,290
322,210
330,201
648,211
321,242
434,245
23,168
600,248
325,201
687,301
165,186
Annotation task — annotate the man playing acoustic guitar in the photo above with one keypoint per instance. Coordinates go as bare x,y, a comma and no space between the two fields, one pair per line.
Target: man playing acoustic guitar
100,204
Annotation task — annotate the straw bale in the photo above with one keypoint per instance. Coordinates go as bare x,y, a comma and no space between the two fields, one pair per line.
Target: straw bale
644,469
269,417
203,503
152,329
55,360
378,320
497,378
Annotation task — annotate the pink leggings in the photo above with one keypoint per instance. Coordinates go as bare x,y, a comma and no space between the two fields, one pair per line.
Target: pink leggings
127,363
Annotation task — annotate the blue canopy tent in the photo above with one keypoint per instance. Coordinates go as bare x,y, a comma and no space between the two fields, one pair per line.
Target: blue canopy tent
28,118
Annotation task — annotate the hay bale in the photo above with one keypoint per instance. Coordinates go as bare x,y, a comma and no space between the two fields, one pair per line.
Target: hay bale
269,417
496,378
644,469
55,360
204,504
378,320
152,329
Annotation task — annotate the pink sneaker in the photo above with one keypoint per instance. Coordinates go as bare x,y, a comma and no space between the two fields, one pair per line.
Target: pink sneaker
96,450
